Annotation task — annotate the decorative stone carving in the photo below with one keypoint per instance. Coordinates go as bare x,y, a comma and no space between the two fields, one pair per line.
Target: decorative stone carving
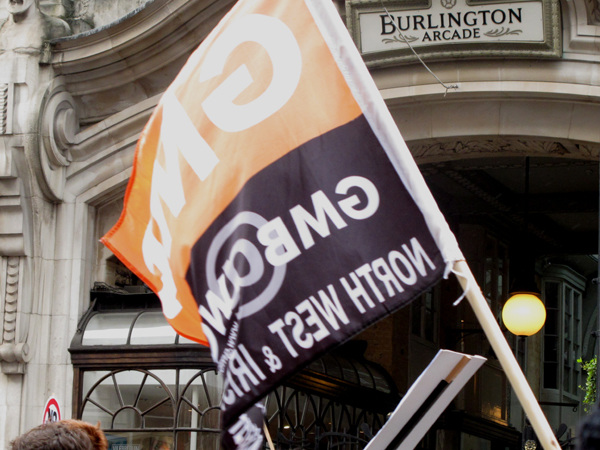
5,98
56,8
593,8
438,151
27,28
589,151
14,248
83,19
59,125
13,354
22,80
82,8
12,235
22,209
581,23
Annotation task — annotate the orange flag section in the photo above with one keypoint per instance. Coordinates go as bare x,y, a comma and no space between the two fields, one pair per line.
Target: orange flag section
263,83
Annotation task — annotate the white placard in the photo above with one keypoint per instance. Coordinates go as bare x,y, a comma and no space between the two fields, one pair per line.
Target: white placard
426,400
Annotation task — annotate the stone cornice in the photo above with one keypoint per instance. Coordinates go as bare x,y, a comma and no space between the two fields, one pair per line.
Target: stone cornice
68,152
111,68
106,148
135,33
107,82
472,147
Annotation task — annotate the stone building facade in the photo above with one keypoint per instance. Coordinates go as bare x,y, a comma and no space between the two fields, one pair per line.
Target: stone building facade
79,79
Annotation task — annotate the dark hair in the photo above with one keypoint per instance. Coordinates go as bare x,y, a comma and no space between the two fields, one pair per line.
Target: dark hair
96,435
53,436
589,431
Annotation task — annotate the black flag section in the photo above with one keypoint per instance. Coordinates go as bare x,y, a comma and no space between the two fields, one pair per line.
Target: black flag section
316,247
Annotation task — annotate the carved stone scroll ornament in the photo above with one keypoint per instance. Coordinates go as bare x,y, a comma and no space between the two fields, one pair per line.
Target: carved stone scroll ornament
59,125
593,7
13,354
439,151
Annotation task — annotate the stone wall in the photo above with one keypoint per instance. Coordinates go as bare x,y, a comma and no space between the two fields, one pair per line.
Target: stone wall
84,15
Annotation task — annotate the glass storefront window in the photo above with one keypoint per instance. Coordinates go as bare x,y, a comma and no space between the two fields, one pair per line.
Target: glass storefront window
130,399
151,389
108,329
179,408
151,328
562,293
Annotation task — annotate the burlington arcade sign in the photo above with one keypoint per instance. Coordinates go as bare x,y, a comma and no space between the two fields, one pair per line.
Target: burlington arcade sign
441,29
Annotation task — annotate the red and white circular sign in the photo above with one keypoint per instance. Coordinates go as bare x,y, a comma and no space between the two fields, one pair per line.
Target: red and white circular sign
51,411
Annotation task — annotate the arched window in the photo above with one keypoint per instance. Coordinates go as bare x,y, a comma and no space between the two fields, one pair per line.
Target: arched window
151,389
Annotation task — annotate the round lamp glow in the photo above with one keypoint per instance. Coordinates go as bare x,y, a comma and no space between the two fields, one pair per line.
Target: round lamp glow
524,314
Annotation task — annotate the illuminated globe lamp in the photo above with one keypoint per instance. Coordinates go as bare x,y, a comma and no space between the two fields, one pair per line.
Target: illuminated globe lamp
524,313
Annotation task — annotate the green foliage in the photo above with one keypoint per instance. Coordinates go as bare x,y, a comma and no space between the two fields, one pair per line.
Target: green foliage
590,383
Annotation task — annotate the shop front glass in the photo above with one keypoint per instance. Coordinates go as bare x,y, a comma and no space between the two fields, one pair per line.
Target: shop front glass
151,389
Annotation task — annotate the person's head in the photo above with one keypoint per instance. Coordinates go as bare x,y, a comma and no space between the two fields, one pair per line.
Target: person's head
53,436
96,435
18,7
588,432
62,435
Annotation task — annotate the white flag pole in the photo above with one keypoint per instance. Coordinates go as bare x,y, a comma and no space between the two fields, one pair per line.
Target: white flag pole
505,356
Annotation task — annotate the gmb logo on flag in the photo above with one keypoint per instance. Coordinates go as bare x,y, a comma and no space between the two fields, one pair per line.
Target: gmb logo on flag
277,245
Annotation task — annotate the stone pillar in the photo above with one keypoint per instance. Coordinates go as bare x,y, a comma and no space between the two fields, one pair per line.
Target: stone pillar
27,215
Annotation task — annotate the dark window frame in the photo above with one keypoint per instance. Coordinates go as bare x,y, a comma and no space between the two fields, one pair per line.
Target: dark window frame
365,408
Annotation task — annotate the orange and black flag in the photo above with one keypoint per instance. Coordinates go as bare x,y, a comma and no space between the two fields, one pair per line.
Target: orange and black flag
273,205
